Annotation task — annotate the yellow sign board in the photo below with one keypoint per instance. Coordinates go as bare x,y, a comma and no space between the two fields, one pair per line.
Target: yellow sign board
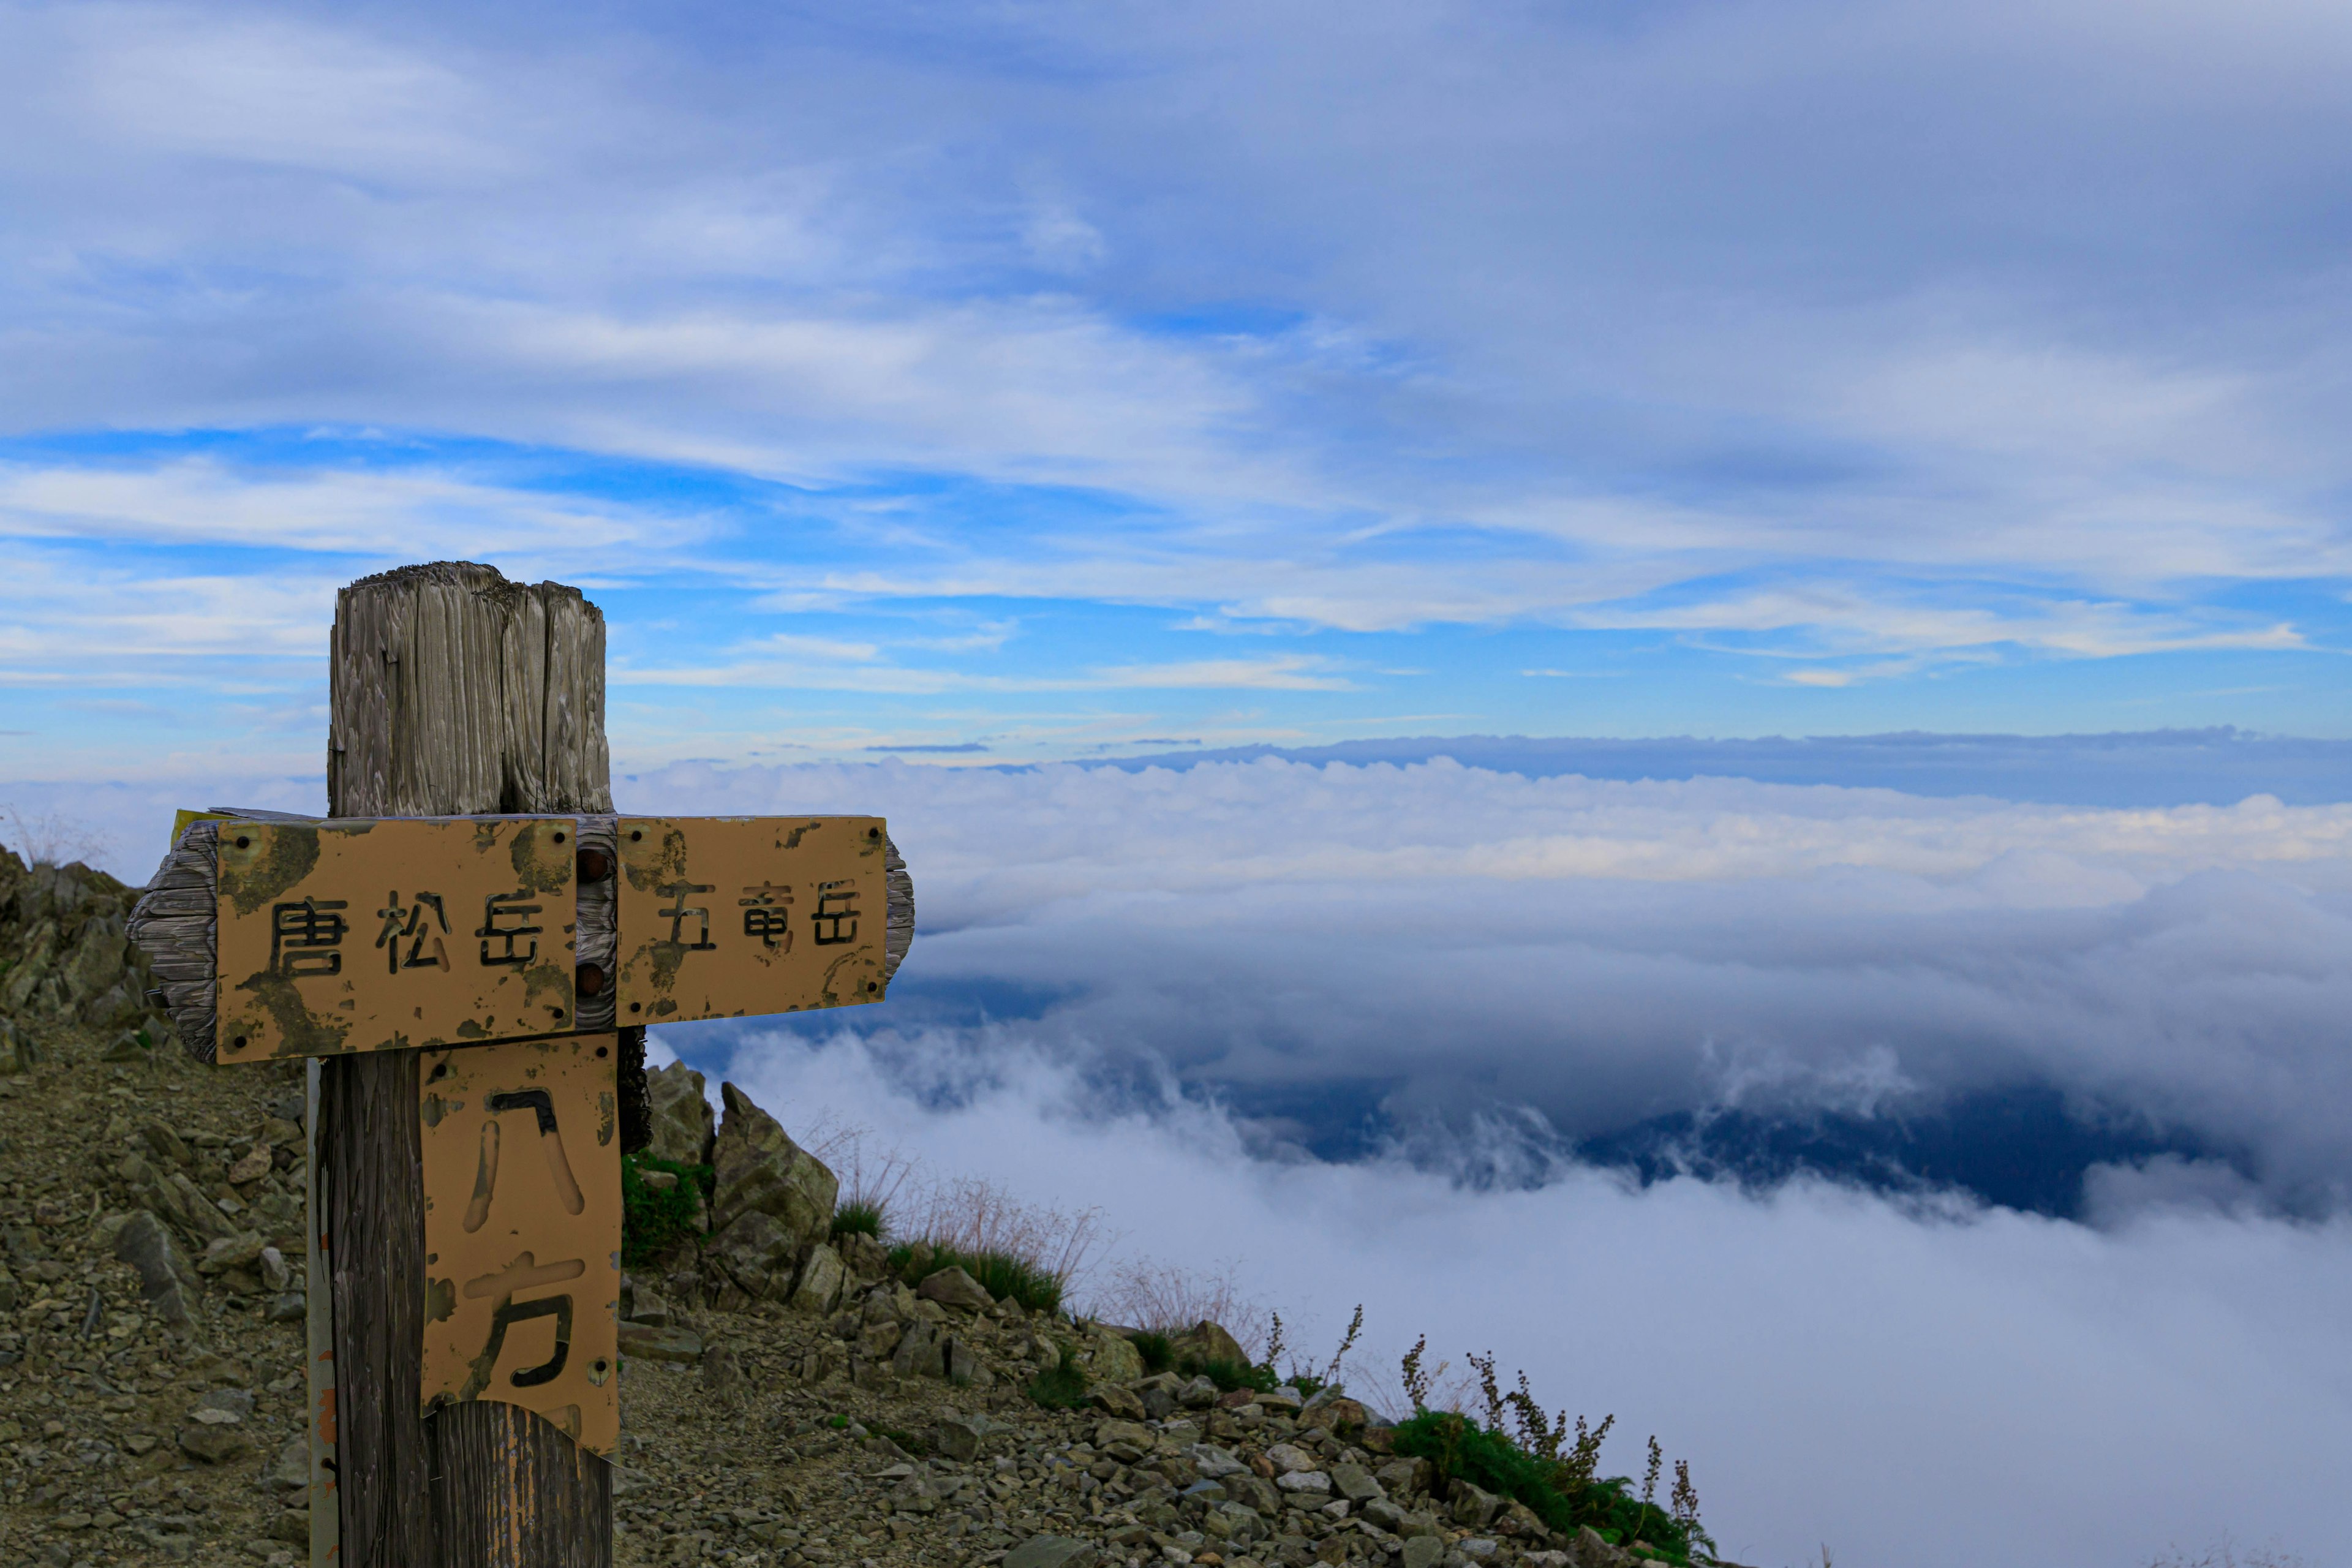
394,934
726,917
521,1158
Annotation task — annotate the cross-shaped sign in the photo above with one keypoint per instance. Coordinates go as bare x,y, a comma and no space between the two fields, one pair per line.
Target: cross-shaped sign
512,952
509,949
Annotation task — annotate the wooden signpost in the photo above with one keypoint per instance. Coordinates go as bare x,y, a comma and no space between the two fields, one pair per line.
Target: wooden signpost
467,953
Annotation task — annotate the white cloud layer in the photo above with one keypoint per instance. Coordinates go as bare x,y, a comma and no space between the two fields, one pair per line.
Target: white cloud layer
1443,941
1943,1391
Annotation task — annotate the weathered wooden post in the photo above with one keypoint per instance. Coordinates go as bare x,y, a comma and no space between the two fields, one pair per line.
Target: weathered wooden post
467,765
454,693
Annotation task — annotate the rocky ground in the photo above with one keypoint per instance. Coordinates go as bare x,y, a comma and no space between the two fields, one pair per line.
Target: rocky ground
783,1400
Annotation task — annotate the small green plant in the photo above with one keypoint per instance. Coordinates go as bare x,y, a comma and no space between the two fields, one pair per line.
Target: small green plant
1061,1386
653,1219
858,1217
1000,1274
1158,1354
839,1422
1528,1468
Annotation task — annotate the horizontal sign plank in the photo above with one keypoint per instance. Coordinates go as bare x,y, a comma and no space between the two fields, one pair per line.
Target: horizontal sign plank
731,917
390,935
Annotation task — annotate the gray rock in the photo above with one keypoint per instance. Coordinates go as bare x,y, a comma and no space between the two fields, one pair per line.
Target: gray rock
1206,1341
682,1122
1591,1552
864,1257
1051,1551
292,1469
1385,1514
756,1251
288,1307
965,1369
1288,1457
292,1525
1113,1400
236,1402
1355,1483
239,1251
1477,1550
959,1438
821,1281
1471,1506
1255,1491
723,1378
918,1353
1314,1481
762,1170
1212,1462
1198,1394
954,1287
165,1276
275,1274
1424,1552
647,1343
214,1444
1403,1477
1283,1398
1417,1524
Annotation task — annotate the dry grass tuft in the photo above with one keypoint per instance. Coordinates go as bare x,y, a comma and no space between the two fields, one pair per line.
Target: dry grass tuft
1162,1298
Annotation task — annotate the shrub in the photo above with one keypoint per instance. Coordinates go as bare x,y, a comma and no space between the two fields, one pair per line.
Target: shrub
1158,1354
858,1217
1062,1385
1561,1490
654,1221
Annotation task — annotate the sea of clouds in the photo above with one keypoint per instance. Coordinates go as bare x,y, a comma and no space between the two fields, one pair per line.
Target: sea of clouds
1341,1030
1157,992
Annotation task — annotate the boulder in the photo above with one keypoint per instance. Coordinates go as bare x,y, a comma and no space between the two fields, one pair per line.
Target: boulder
954,1287
165,1276
1206,1341
682,1125
760,1170
822,1278
1356,1483
1107,1357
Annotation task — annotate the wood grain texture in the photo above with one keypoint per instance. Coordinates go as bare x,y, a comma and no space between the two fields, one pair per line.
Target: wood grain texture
175,924
453,691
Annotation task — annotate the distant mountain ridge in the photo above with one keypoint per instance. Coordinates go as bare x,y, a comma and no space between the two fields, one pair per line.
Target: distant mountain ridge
2124,769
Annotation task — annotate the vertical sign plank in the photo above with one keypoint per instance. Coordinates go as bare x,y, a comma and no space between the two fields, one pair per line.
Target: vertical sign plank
521,1155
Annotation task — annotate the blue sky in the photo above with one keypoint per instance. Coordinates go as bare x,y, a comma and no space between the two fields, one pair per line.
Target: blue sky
1072,380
